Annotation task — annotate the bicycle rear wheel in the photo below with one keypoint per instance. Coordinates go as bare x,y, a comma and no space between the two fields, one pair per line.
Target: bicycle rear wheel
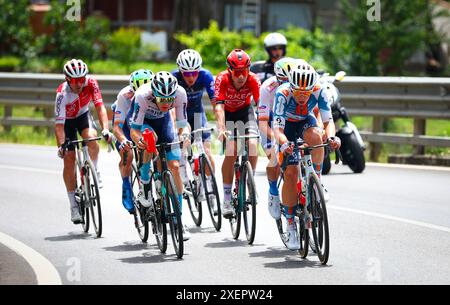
195,206
173,214
248,195
319,215
303,236
93,197
140,220
84,211
235,224
157,215
212,195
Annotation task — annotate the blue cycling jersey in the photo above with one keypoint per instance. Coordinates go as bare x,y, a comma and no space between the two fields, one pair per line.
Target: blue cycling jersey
204,81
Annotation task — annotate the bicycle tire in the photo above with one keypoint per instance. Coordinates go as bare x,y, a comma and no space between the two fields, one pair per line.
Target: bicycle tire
249,206
94,198
84,211
216,219
158,217
173,213
195,207
141,224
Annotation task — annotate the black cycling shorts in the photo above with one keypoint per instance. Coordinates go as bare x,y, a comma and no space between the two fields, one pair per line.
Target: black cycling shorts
242,122
72,126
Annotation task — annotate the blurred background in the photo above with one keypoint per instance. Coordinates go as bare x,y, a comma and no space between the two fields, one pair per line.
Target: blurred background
412,38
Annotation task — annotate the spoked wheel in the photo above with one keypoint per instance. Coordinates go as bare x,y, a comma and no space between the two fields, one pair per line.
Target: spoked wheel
281,224
303,236
84,211
140,220
211,193
157,216
235,223
173,214
192,194
319,216
93,198
249,207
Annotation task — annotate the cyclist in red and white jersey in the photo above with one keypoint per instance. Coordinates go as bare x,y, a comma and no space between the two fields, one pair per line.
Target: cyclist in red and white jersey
71,116
234,89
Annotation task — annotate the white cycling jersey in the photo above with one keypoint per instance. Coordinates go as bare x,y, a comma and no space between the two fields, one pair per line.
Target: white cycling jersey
267,97
123,104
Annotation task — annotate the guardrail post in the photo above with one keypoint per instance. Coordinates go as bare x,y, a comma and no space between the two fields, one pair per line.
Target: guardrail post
419,130
375,148
8,114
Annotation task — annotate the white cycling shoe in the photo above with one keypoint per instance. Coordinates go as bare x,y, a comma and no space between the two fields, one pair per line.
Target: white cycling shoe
99,180
227,209
292,242
326,194
186,233
75,216
274,206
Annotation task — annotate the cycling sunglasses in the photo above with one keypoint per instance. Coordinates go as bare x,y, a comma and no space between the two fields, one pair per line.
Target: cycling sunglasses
190,73
75,81
165,100
301,95
239,72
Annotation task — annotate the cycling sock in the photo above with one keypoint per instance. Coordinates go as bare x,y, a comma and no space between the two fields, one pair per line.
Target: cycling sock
145,169
126,182
209,183
318,168
227,192
95,162
273,188
289,213
73,202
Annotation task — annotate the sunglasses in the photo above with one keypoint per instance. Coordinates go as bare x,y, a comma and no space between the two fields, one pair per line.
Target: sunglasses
190,73
276,48
301,95
76,81
165,100
239,72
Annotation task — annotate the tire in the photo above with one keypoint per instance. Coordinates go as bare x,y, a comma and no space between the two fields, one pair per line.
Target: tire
353,153
281,224
303,236
84,212
141,223
216,219
173,214
94,198
195,207
326,167
158,218
249,205
319,226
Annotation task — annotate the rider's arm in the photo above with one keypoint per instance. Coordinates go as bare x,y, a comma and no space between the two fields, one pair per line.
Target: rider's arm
98,103
137,119
279,119
264,111
60,134
60,118
219,103
209,85
324,105
180,111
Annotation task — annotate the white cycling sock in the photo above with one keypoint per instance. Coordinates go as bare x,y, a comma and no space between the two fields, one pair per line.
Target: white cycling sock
73,202
95,162
227,192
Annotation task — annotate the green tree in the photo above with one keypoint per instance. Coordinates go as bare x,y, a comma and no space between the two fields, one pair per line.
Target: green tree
15,30
125,45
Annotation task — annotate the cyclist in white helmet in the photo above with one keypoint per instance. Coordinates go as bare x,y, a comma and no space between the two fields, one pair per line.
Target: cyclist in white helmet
293,119
153,103
123,109
71,117
275,45
265,118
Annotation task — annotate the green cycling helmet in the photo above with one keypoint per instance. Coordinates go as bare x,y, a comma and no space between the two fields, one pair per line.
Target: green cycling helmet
140,77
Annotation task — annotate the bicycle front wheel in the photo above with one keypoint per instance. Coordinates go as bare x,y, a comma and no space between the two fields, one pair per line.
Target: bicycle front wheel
172,207
211,193
195,205
318,211
140,220
248,196
93,197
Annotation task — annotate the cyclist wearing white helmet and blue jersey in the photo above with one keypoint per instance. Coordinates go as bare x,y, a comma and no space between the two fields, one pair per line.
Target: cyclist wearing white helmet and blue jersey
123,109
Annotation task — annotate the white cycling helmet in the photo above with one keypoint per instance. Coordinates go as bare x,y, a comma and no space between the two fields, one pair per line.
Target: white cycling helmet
164,85
274,39
75,68
189,60
303,76
283,66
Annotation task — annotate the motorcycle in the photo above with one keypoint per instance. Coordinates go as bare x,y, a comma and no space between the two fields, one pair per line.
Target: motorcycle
352,144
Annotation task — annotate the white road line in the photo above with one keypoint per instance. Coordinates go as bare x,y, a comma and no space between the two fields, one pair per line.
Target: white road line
410,166
393,218
46,273
30,169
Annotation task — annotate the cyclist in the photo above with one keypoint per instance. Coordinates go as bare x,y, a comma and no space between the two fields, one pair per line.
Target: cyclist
275,45
265,118
234,89
71,116
293,119
122,109
195,80
153,102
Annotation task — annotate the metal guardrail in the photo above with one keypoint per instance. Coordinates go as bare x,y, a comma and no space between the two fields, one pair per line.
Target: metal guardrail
379,97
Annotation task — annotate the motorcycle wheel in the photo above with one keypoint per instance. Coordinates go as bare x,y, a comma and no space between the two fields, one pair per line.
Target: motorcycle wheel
353,153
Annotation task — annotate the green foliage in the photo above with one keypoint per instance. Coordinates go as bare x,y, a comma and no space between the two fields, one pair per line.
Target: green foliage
124,45
10,64
15,32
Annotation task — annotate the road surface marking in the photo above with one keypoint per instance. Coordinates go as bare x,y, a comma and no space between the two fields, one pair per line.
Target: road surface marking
393,218
30,169
46,273
410,166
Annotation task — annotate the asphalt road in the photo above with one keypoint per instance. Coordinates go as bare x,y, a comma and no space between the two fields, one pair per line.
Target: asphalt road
389,225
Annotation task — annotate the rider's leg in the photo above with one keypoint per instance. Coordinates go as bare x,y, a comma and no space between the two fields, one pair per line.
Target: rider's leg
253,153
93,146
125,171
228,168
313,136
69,175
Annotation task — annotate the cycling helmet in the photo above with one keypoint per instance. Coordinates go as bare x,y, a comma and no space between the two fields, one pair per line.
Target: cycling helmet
282,68
303,77
75,68
238,59
189,60
164,85
273,40
140,77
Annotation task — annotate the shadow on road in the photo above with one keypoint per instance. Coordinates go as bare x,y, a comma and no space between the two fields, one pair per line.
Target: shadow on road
202,230
71,236
229,243
151,258
130,246
291,260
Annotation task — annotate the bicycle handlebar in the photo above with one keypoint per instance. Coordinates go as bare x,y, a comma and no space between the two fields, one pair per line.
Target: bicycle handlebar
202,130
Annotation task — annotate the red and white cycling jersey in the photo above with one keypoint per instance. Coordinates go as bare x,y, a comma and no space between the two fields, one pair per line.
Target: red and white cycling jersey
70,105
233,99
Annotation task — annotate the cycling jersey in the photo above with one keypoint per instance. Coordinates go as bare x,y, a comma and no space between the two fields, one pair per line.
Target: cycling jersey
70,105
287,109
123,104
145,107
268,91
204,81
233,99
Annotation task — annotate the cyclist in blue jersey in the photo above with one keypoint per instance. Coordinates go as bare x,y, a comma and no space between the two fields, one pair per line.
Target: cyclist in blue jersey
123,109
293,119
195,80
